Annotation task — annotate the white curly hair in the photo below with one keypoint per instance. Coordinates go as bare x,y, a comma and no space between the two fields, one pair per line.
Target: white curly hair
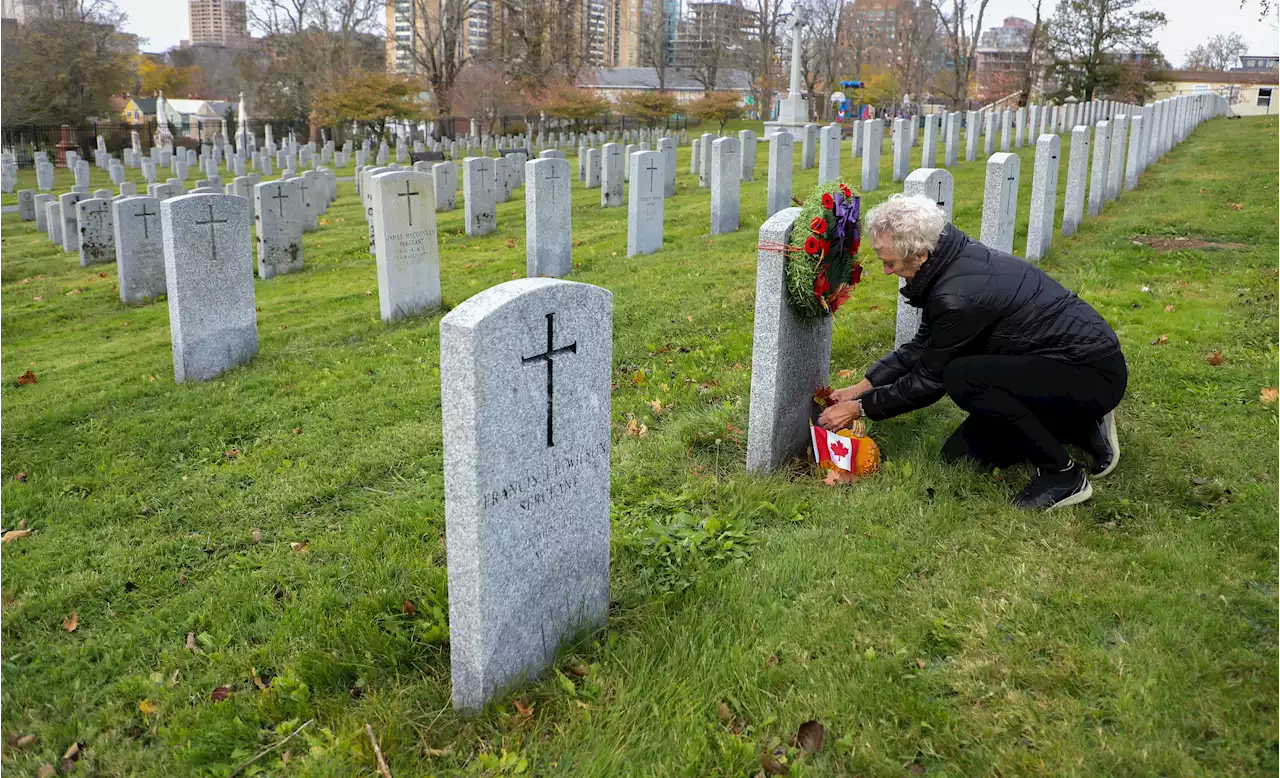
913,223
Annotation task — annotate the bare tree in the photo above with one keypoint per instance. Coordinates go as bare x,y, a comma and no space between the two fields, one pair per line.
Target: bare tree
655,30
914,40
1218,53
439,50
961,28
761,60
824,52
1035,42
534,40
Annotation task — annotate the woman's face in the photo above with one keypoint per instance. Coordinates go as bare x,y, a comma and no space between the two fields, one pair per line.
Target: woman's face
894,263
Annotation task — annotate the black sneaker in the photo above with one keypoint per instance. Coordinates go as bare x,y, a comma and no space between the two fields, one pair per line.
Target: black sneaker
1103,445
1053,490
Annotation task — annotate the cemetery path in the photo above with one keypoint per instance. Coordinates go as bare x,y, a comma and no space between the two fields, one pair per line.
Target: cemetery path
199,570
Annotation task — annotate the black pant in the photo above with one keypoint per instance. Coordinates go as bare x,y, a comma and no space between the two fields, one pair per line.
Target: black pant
1026,407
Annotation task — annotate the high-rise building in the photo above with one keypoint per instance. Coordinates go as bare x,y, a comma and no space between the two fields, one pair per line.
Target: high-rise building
621,47
715,29
217,22
1004,58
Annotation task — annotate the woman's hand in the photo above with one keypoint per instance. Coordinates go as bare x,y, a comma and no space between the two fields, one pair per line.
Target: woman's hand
851,392
840,415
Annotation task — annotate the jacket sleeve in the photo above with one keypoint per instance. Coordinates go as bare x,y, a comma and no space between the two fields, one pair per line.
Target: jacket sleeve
956,322
900,361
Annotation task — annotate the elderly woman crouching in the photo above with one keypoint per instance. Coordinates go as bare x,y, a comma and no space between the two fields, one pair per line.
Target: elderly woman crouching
1033,365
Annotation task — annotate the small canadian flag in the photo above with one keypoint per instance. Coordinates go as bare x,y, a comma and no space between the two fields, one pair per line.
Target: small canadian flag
834,449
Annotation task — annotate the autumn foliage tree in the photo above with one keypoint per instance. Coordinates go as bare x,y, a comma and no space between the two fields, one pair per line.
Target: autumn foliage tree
722,107
368,97
648,108
154,76
565,101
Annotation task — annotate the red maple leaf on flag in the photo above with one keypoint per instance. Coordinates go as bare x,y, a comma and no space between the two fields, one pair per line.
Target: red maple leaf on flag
839,449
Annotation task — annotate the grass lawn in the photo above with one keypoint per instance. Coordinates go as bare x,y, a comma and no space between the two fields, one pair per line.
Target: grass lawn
256,537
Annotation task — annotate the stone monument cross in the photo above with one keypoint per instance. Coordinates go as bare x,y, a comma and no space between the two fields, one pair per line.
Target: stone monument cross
409,203
213,244
143,214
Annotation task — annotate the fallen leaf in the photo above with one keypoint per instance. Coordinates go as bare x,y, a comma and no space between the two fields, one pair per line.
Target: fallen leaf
46,771
523,706
233,453
772,661
16,534
656,407
664,387
1169,308
690,318
298,548
435,753
221,693
38,298
21,741
409,609
297,430
1214,359
191,642
284,326
637,429
28,377
22,476
511,243
1268,395
253,674
846,373
257,536
638,377
772,766
69,758
1237,206
1160,341
810,736
147,707
578,668
723,711
72,622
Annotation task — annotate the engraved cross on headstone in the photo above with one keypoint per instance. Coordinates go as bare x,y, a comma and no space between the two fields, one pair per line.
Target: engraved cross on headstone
280,197
1013,201
213,244
143,214
551,177
99,213
652,167
548,357
409,204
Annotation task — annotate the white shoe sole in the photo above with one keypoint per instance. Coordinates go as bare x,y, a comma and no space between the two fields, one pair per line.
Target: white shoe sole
1114,440
1076,498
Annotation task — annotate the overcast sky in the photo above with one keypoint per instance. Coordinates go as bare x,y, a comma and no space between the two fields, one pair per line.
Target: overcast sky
1191,22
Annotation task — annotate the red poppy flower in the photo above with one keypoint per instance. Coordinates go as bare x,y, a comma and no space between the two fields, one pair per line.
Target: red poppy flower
821,285
844,190
838,299
818,225
828,201
857,244
857,274
825,246
811,245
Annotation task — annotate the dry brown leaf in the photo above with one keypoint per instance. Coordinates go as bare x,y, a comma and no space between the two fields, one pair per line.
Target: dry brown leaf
637,429
297,430
578,668
409,609
233,453
1160,341
523,706
772,661
436,753
810,736
21,476
16,534
1237,206
511,243
22,741
221,693
723,711
28,377
772,766
920,663
147,707
846,373
298,548
1214,359
191,642
1268,395
657,407
257,536
69,758
46,771
1170,308
253,674
72,622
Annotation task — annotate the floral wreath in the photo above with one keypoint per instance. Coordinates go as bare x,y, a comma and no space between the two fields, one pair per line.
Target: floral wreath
822,264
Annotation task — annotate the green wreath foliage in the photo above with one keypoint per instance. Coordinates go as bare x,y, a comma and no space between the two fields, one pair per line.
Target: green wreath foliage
802,269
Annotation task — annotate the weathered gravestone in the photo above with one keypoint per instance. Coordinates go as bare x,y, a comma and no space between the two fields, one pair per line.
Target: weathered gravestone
747,147
873,138
829,154
26,205
611,181
1133,167
592,180
548,224
952,156
478,206
1000,201
901,149
128,189
790,355
1077,175
989,134
526,490
279,215
97,231
1020,126
929,146
44,177
704,161
444,176
781,159
726,184
973,130
645,207
208,267
1044,194
667,148
809,147
1115,159
70,227
695,158
939,186
40,204
139,249
1006,130
53,221
1098,173
407,250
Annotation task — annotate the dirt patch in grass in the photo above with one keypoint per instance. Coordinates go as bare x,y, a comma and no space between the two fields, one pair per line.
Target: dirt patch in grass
1183,244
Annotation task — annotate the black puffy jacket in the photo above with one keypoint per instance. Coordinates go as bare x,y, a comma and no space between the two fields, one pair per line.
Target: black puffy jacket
978,300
